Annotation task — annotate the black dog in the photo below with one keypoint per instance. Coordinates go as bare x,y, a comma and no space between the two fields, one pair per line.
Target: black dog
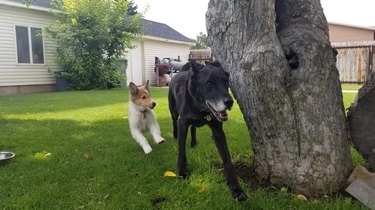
199,96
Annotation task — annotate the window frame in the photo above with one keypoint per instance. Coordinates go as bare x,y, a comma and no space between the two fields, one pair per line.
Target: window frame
30,44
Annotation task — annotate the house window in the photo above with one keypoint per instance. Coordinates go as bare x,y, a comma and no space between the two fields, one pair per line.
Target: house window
29,45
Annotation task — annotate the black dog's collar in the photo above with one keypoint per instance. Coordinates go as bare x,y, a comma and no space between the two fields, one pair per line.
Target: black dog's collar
208,117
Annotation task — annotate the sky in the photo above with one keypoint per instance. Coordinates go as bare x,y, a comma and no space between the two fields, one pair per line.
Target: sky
188,16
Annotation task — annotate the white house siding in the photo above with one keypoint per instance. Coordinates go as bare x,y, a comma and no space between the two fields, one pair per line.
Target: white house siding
12,73
135,65
153,48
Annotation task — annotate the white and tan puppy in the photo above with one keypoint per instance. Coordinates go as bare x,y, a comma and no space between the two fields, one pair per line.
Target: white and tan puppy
141,117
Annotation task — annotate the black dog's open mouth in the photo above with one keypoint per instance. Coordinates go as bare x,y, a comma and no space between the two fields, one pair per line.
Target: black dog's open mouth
219,115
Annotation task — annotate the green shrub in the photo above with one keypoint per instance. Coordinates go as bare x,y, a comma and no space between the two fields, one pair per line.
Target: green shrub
91,37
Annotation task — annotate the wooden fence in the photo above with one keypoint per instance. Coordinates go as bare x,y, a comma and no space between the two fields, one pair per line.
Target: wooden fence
201,55
355,60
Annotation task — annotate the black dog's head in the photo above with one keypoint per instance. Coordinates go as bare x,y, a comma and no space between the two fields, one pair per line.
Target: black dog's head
209,87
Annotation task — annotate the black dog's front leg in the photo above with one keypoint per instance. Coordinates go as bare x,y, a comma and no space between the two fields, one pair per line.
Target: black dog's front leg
193,132
221,144
181,138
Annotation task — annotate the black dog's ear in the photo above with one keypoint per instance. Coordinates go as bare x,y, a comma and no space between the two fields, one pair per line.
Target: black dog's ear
194,68
217,64
133,88
226,74
186,66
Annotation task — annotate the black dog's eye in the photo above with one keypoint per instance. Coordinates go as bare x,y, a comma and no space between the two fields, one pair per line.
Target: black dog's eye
209,84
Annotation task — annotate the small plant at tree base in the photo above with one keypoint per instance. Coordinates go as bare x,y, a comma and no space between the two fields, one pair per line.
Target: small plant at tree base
91,36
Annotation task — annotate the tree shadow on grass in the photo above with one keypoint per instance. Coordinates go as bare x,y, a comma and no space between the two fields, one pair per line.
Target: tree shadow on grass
61,101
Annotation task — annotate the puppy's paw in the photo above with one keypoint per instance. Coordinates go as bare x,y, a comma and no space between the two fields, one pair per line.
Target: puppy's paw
160,140
147,149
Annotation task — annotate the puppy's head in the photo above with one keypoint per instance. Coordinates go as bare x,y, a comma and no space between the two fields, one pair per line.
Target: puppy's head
140,96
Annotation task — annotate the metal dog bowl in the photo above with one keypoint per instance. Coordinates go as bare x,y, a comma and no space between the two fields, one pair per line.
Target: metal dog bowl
6,156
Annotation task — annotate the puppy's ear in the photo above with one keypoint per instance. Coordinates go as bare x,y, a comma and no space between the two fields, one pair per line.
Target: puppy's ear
146,85
133,88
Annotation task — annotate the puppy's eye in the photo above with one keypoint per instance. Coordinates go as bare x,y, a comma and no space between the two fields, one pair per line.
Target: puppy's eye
144,97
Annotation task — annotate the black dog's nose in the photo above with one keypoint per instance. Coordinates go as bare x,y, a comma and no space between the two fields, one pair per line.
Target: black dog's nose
153,104
228,102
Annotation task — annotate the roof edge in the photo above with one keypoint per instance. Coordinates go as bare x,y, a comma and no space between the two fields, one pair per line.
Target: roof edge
166,40
24,6
352,26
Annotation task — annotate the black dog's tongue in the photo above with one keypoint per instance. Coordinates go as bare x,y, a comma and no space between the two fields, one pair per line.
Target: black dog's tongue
221,116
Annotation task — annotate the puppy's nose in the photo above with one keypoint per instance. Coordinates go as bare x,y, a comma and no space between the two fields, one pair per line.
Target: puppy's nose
228,102
153,104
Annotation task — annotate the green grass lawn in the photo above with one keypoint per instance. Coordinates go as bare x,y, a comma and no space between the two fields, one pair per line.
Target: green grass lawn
351,86
93,163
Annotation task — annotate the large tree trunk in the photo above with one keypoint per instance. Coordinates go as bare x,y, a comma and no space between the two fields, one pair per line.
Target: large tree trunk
284,78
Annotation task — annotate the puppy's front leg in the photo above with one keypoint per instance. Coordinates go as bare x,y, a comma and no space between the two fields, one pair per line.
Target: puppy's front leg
138,136
155,131
181,138
222,147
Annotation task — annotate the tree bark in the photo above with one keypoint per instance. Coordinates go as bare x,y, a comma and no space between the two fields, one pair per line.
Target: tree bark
284,78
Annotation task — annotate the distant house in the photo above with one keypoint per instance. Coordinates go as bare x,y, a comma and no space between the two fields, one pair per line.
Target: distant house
27,57
355,46
339,32
161,41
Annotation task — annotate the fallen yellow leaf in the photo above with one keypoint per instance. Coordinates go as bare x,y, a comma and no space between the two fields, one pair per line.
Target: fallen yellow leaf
301,197
202,189
86,156
169,173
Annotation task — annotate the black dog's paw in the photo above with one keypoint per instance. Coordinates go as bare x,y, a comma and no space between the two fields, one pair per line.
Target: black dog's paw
239,195
183,174
193,144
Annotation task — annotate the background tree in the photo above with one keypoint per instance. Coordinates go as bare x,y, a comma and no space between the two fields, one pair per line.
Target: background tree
132,8
91,36
201,42
284,78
